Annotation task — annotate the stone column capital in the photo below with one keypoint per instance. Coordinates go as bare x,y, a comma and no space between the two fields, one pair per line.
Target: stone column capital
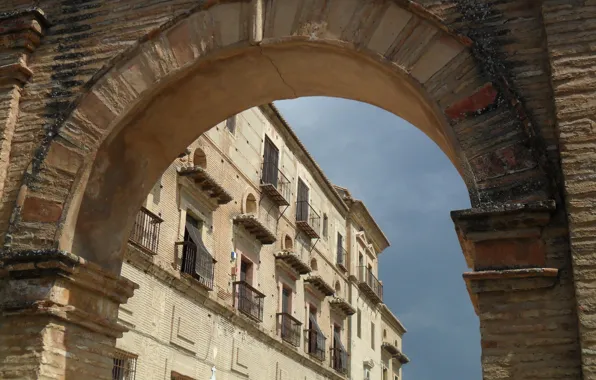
62,285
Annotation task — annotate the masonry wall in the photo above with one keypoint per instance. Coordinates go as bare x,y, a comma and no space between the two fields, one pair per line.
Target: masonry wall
168,325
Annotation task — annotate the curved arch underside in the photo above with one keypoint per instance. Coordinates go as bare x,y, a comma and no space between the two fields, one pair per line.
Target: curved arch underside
216,62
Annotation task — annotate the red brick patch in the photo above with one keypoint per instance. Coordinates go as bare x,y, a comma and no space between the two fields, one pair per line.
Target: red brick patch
481,99
41,210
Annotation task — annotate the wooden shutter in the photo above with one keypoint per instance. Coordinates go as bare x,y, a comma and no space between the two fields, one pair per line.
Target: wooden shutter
270,162
302,206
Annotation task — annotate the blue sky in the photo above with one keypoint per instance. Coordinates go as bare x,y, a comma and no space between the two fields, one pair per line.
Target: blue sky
410,187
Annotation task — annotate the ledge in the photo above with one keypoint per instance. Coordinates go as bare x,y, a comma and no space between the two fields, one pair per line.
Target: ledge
255,227
292,260
342,305
508,281
207,183
318,283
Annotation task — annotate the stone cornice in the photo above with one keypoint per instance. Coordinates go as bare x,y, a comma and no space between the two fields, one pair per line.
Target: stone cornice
21,32
64,286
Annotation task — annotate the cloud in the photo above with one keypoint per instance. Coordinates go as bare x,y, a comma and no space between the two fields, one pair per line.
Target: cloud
410,187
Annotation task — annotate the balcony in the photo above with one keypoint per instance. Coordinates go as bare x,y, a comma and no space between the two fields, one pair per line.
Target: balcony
401,358
341,305
255,227
369,284
145,231
293,261
307,219
342,258
197,263
249,300
315,344
206,183
318,284
275,184
339,360
289,329
391,348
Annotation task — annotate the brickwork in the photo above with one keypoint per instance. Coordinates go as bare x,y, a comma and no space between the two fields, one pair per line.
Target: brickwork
80,148
167,322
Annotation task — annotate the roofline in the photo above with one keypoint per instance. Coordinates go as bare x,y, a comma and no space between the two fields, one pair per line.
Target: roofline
386,241
389,314
311,160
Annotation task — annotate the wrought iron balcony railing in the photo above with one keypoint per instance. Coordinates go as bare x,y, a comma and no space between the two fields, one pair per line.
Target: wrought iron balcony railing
249,300
315,344
342,258
339,360
145,231
369,284
307,219
289,329
275,183
197,263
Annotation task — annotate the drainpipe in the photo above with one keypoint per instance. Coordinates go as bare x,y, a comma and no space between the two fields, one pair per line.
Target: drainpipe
350,332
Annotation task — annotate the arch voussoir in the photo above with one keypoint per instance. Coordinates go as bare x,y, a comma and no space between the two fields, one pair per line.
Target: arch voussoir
135,113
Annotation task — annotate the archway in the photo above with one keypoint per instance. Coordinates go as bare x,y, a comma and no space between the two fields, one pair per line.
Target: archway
109,151
199,158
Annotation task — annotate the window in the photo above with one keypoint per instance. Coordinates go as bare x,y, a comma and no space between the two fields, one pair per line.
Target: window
372,335
270,163
325,225
302,205
250,207
231,125
340,250
246,271
360,260
286,300
359,323
196,259
385,374
200,158
124,366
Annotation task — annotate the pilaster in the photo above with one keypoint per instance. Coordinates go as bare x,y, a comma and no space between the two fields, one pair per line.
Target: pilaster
58,317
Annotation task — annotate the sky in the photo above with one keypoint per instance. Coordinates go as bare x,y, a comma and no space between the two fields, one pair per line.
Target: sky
410,187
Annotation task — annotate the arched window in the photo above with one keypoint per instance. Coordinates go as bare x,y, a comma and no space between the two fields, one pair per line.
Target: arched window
288,243
199,158
337,288
384,333
313,264
251,204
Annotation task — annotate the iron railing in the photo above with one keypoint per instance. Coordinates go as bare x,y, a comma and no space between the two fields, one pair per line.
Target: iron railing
366,276
289,328
249,300
198,264
342,257
272,175
339,360
315,344
306,213
145,231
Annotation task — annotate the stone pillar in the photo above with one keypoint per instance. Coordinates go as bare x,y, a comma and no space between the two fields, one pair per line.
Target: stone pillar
58,317
521,290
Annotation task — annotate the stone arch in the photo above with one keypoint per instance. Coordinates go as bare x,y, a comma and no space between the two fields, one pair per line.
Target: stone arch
199,158
392,54
313,264
288,243
250,205
378,59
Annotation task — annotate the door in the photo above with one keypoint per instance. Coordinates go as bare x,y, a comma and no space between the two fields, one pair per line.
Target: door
286,307
270,163
302,206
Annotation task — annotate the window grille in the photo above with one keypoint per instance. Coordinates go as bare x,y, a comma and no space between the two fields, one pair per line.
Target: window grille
124,366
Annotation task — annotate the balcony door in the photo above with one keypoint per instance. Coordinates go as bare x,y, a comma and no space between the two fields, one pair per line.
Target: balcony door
196,259
303,197
340,356
270,163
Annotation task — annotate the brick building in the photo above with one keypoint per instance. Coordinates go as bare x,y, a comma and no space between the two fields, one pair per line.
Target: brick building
251,264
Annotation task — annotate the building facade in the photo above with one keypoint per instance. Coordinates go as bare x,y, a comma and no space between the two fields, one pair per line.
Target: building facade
251,264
